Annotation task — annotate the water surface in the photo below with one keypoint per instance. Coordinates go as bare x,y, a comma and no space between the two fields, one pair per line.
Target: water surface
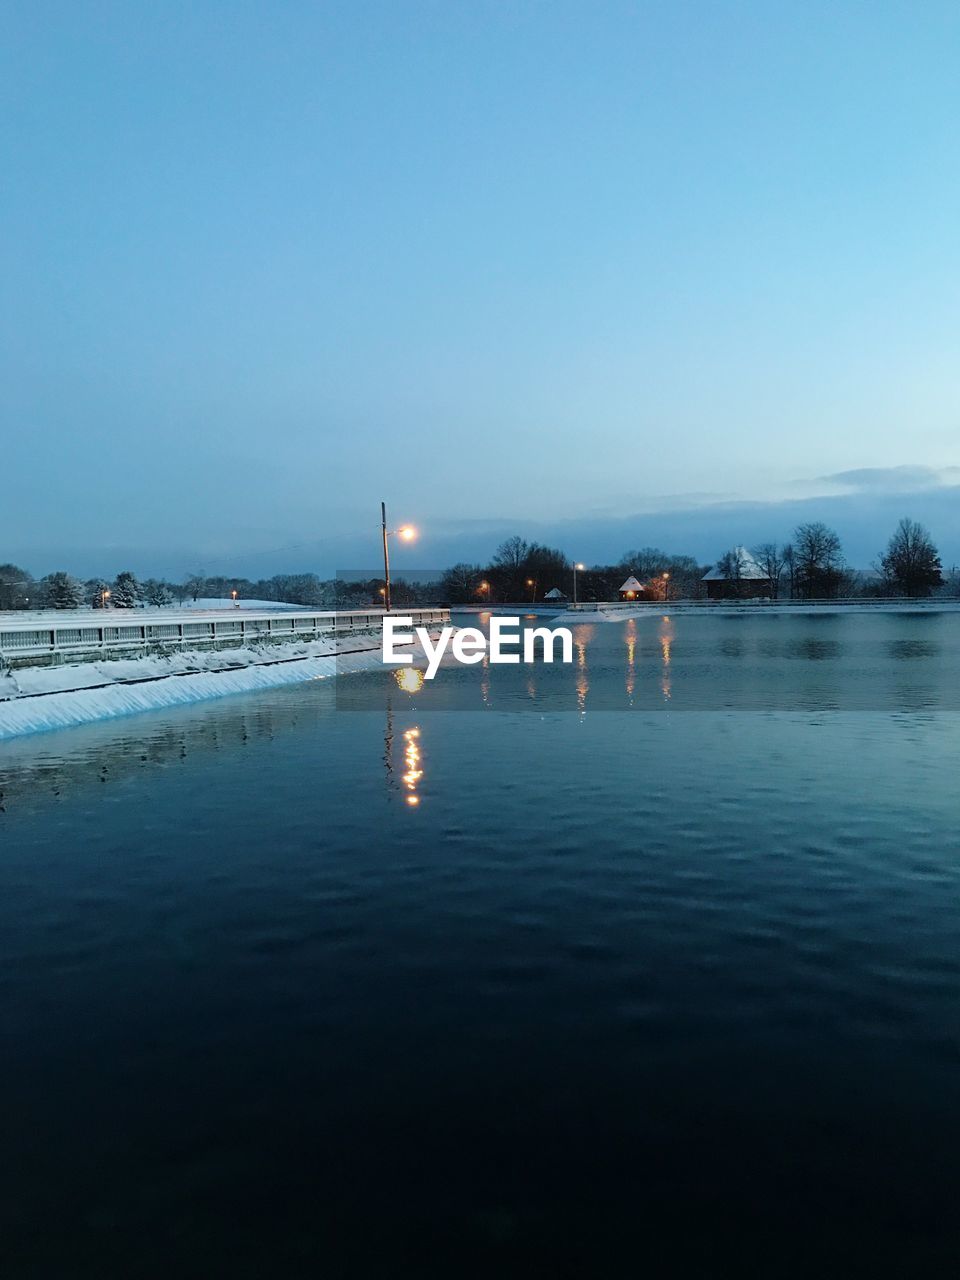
290,989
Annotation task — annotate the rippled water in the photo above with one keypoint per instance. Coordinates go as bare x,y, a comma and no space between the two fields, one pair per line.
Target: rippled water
288,989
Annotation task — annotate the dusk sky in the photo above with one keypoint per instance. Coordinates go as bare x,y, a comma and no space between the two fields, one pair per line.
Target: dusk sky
608,274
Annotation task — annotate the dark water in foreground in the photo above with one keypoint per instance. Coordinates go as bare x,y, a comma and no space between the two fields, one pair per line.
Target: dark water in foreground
634,993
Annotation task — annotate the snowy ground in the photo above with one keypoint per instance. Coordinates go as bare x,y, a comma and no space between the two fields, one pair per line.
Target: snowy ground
261,606
195,609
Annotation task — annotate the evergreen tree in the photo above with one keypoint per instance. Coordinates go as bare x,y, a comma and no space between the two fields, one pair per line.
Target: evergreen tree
156,593
17,588
60,591
126,593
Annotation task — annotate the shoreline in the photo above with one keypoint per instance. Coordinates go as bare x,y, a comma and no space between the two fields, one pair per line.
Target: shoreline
148,684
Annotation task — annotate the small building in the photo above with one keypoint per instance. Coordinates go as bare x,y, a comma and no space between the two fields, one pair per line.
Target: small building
631,589
554,596
738,575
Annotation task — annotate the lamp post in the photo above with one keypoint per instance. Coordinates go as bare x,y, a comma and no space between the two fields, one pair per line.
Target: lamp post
575,568
666,579
532,583
406,531
104,597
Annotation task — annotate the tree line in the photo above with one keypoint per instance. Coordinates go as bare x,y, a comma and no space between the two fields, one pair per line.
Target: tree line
60,590
810,565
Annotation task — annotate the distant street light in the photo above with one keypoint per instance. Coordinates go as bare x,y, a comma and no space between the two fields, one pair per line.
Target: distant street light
666,579
104,597
407,532
236,602
575,568
484,590
532,582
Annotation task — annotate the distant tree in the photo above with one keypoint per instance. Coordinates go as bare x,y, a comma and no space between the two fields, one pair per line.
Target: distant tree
510,554
195,585
911,562
17,587
459,583
790,567
647,562
126,592
157,593
771,560
730,567
818,560
61,591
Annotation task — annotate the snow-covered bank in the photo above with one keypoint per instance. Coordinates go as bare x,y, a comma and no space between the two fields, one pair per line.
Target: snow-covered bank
25,682
37,699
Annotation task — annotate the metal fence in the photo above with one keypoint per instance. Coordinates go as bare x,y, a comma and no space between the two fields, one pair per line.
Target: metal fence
155,633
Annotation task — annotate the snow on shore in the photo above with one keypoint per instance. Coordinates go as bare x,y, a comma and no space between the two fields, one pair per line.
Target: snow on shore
36,699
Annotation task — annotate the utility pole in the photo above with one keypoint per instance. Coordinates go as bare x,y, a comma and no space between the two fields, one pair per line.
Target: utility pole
386,558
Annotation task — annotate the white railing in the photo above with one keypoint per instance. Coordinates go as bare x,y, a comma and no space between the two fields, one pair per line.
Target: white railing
110,631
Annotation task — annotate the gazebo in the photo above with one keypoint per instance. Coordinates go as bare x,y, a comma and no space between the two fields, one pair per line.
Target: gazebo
554,596
631,589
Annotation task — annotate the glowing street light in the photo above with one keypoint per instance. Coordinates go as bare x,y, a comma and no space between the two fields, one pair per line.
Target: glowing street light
532,583
575,568
666,579
104,597
407,532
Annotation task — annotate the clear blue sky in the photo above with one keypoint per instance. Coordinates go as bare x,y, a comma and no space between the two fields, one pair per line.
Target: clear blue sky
526,263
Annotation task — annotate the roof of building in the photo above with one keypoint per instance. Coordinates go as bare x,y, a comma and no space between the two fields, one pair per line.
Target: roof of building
750,570
632,584
555,594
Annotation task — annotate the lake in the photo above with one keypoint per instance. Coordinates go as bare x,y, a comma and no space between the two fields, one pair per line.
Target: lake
646,965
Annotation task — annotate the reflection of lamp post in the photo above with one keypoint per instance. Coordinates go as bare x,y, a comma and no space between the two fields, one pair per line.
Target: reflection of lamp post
575,568
406,531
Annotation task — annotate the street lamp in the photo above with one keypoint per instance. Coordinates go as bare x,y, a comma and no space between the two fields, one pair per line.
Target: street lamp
575,568
236,602
484,590
532,582
407,532
104,597
666,579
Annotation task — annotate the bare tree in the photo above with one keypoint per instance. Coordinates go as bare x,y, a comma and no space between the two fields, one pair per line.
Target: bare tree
817,559
911,562
511,554
771,559
790,567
